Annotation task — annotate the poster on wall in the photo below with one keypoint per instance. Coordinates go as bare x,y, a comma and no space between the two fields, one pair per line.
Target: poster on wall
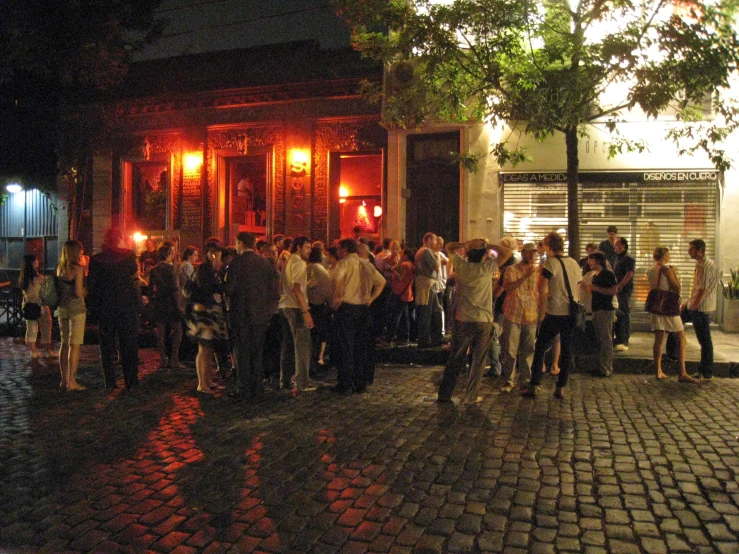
248,191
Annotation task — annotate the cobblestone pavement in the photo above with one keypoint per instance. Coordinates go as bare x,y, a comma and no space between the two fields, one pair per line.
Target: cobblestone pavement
628,464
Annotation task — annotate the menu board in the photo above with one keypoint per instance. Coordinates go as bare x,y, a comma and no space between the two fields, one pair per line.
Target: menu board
192,202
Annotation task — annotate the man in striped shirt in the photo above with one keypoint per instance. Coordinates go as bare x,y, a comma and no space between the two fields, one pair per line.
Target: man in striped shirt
701,304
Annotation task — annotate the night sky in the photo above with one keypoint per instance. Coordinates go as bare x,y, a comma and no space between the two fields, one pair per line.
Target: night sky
195,26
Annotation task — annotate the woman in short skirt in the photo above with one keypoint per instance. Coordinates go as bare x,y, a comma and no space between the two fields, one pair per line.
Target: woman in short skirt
207,318
662,276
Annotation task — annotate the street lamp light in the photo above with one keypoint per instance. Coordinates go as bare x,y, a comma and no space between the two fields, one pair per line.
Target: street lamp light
13,188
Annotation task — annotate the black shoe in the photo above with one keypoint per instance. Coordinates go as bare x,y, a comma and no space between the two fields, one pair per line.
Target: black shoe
444,400
559,393
702,377
341,390
236,394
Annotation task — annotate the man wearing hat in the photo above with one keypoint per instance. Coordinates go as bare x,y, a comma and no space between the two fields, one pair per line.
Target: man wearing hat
520,315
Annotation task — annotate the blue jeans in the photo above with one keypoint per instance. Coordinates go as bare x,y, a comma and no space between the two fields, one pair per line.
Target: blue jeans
702,325
623,323
429,322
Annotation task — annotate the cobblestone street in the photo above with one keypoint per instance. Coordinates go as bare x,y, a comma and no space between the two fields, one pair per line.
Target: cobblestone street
627,464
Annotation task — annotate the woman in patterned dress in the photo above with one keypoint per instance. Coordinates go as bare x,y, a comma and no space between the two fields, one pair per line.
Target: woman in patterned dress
207,318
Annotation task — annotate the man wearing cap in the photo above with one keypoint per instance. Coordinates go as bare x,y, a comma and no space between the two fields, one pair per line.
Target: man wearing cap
520,316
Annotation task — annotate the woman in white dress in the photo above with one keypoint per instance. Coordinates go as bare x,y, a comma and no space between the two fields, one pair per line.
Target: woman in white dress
662,276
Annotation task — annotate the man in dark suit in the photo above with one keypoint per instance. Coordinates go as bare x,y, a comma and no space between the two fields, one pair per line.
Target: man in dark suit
251,284
113,298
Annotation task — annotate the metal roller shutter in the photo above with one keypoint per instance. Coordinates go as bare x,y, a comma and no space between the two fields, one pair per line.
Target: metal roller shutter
647,214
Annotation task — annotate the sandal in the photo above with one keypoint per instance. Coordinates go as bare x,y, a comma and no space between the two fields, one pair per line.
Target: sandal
688,379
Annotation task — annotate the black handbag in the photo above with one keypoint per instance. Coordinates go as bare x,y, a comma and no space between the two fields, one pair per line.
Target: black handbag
31,311
662,302
577,310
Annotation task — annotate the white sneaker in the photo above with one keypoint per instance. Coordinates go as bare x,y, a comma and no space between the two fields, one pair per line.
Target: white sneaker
620,348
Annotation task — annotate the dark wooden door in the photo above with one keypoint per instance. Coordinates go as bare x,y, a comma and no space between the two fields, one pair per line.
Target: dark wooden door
433,181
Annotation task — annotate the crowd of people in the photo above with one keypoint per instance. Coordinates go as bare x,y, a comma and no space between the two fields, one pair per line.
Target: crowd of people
279,312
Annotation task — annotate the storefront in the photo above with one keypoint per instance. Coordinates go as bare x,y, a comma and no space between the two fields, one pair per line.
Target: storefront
650,208
297,157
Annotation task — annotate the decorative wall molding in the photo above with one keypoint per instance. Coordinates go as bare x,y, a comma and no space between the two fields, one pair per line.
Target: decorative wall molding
238,98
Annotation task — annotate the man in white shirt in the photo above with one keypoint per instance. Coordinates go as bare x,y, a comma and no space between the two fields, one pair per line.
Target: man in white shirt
701,304
297,321
473,325
357,284
428,309
554,312
384,253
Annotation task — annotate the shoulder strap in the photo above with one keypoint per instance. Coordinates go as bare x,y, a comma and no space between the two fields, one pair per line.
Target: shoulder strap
566,278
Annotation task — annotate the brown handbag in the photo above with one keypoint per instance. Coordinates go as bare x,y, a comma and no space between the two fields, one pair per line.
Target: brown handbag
662,302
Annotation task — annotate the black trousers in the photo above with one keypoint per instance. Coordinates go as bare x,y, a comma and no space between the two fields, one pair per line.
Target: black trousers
551,326
126,328
352,326
248,355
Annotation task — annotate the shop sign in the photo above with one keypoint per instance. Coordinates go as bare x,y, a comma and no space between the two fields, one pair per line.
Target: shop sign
621,176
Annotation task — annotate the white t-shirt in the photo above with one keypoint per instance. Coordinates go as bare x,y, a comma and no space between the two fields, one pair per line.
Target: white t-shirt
295,272
558,302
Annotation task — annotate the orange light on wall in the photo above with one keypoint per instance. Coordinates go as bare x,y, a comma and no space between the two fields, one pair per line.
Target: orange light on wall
192,162
343,193
138,237
299,162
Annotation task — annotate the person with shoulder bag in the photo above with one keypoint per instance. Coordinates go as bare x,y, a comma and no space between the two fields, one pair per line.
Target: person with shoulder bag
37,316
559,311
663,285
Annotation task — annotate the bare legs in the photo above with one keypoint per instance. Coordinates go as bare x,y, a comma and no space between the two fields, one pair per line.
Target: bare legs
556,351
657,355
69,361
659,336
202,365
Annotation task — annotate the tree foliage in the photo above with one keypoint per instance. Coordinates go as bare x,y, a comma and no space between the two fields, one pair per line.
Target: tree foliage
546,66
55,56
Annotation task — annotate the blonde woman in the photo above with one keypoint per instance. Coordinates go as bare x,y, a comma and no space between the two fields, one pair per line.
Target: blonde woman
72,312
662,276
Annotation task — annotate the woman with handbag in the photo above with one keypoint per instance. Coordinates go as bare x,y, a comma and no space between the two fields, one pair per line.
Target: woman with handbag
664,295
37,316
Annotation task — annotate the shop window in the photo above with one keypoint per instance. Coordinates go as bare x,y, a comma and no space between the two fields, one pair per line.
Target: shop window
360,195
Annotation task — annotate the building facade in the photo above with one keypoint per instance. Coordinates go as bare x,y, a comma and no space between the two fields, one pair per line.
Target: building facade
655,198
268,140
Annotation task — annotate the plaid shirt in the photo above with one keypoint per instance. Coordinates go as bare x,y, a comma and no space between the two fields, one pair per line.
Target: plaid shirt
521,304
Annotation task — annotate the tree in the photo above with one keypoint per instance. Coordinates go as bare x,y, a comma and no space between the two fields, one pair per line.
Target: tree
58,61
543,66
